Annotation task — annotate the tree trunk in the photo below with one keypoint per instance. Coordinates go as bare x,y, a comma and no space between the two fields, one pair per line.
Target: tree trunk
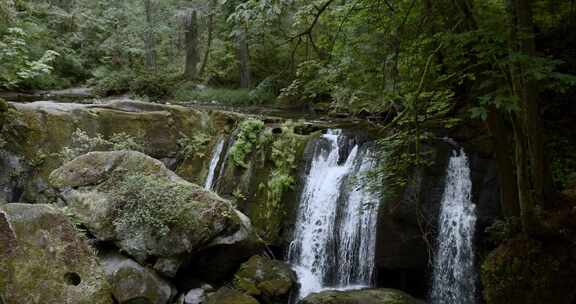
531,169
507,177
244,59
192,56
149,42
209,38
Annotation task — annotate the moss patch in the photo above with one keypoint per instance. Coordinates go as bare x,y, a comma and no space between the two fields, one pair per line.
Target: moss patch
529,271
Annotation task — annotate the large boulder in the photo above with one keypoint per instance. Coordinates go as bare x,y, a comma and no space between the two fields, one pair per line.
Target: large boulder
226,295
43,259
148,211
266,279
40,130
364,296
131,282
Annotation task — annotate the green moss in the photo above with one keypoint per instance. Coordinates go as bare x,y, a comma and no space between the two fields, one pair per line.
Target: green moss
247,139
230,296
157,204
529,271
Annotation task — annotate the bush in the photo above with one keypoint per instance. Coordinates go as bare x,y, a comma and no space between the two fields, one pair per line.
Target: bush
107,82
246,140
155,86
82,143
220,96
152,202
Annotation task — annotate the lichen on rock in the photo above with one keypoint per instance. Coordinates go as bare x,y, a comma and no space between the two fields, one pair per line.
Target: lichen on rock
269,280
148,211
43,259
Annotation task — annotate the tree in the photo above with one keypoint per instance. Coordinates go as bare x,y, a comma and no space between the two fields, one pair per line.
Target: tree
191,42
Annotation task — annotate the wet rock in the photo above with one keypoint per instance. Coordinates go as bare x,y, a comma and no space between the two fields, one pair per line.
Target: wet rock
365,296
226,295
131,282
270,280
44,260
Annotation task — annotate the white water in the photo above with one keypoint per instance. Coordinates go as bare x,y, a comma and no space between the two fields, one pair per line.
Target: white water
454,278
334,238
216,155
357,234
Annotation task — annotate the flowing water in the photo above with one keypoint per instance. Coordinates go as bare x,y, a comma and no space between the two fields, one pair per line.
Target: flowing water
334,238
454,278
216,156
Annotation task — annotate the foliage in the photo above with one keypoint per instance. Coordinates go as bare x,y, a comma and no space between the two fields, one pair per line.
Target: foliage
219,96
528,271
83,143
17,68
281,180
149,201
194,145
246,140
260,95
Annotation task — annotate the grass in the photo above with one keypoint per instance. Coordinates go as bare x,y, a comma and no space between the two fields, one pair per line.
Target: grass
223,96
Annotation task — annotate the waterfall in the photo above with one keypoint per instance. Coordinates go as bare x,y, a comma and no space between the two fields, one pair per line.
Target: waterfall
454,278
334,237
216,155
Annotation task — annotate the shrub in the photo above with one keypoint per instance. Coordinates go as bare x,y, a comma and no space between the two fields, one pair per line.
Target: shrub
151,202
220,96
82,143
246,140
194,145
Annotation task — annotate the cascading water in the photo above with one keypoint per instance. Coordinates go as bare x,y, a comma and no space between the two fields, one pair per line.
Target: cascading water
216,155
334,239
454,278
357,230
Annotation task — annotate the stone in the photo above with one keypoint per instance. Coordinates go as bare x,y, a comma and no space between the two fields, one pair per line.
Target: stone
130,281
40,130
226,295
364,296
43,259
267,279
170,219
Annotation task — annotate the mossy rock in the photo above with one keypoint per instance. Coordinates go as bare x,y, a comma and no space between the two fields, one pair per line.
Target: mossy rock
51,125
226,295
528,271
147,210
44,260
131,282
363,296
267,279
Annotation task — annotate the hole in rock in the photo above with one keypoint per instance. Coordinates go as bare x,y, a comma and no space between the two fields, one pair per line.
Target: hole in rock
72,278
138,301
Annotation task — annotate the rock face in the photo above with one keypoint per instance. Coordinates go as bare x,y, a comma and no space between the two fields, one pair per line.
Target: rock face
226,295
40,129
402,254
131,282
43,260
365,296
148,211
266,279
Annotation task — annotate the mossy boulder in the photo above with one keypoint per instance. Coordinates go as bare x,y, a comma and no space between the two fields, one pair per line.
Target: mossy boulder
530,271
363,296
131,282
226,295
266,279
40,130
148,211
44,260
